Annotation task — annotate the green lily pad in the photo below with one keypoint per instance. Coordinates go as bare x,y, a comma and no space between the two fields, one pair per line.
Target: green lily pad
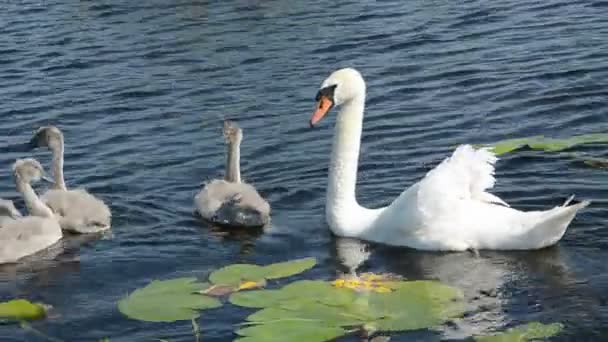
288,268
330,315
256,298
21,309
540,142
236,274
408,305
167,301
523,333
293,331
301,291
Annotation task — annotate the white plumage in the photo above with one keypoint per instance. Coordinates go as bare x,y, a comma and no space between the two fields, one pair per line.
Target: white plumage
449,209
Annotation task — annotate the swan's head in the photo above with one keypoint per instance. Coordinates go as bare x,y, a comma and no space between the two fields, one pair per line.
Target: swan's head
340,87
233,134
28,171
47,136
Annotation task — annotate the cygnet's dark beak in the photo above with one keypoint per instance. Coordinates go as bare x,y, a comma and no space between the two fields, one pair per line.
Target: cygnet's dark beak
36,141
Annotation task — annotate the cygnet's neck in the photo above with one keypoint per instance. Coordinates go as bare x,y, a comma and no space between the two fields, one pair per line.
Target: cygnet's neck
34,205
344,215
233,162
58,167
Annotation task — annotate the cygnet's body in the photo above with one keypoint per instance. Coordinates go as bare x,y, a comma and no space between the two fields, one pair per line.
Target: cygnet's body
23,236
229,201
78,210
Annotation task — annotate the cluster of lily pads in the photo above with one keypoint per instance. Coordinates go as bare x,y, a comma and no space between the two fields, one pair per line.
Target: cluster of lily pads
310,310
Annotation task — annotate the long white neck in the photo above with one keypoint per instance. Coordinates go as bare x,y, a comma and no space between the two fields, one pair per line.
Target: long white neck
344,215
34,205
345,155
58,167
233,162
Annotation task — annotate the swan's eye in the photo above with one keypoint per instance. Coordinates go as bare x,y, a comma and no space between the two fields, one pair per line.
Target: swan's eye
327,92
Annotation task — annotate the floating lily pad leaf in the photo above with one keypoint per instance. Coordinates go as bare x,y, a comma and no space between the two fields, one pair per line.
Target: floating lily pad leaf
21,309
167,301
546,144
318,291
289,268
523,333
403,306
238,274
303,291
293,331
256,298
330,315
415,305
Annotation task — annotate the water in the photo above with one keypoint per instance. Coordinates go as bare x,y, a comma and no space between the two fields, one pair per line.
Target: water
140,89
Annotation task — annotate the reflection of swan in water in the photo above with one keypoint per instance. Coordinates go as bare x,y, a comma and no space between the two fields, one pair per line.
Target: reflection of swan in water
78,210
352,253
23,236
229,201
487,281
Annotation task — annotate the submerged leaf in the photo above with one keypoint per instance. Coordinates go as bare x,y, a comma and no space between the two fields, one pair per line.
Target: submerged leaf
239,274
546,144
293,331
596,163
21,309
167,301
522,333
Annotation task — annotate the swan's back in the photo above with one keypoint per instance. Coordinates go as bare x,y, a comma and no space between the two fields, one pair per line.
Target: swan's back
25,236
232,204
78,210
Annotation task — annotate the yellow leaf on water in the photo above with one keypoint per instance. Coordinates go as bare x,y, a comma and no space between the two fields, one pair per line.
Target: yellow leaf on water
247,285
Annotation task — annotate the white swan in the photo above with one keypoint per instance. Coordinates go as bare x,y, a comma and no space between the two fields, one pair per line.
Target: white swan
23,236
449,209
78,210
229,201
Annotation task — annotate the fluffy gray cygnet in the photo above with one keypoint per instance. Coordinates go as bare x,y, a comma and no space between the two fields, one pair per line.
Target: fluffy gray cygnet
229,201
22,236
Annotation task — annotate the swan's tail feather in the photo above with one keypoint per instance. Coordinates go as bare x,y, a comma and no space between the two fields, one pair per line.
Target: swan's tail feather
568,200
553,224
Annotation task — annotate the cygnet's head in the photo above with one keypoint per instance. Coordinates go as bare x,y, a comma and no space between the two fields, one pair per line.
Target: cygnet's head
47,136
232,132
28,171
340,87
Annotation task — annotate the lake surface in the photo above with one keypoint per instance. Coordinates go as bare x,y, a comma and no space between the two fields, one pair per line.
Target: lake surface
140,90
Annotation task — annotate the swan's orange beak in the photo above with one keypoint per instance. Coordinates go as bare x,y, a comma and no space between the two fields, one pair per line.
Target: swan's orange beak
323,106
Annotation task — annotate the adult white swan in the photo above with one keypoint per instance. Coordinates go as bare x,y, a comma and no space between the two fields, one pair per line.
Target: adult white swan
23,236
449,209
78,210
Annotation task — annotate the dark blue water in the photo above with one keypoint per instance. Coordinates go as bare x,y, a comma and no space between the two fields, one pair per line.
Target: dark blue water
140,88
